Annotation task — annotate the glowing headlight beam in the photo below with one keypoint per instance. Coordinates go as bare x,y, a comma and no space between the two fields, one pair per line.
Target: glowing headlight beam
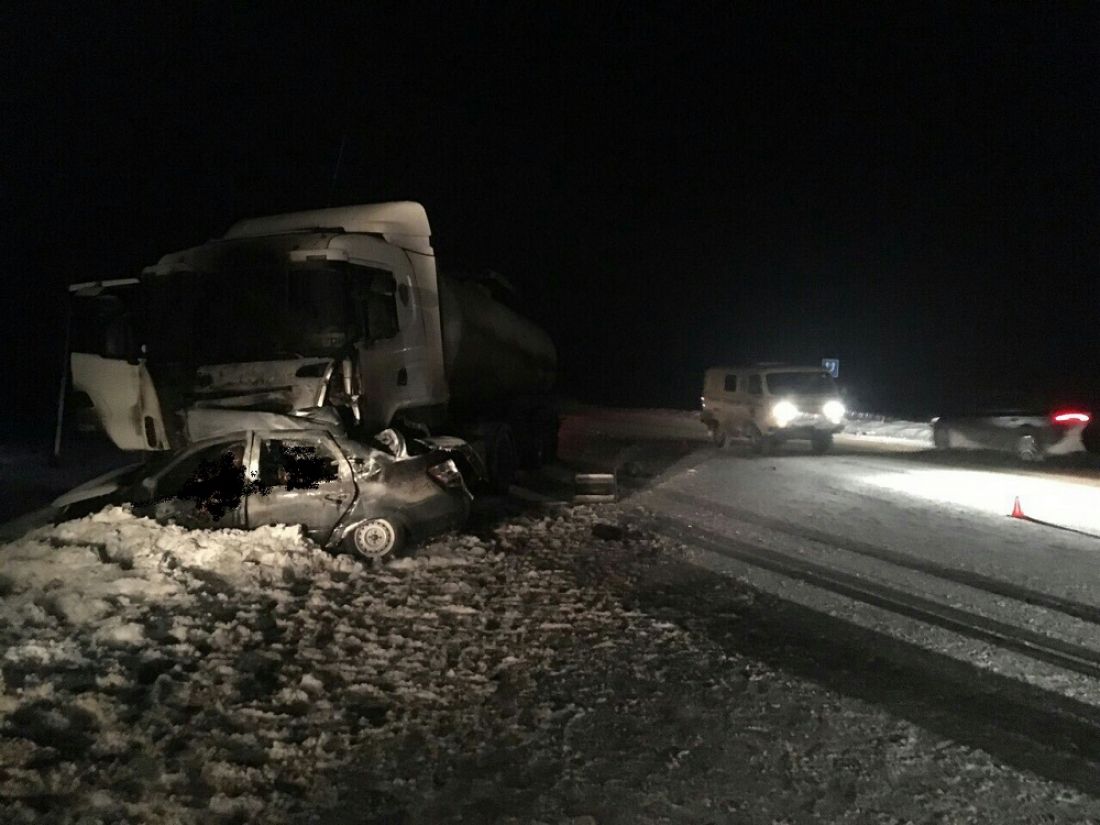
784,412
834,411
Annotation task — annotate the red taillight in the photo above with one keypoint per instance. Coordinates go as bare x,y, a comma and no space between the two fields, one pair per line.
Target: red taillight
1071,417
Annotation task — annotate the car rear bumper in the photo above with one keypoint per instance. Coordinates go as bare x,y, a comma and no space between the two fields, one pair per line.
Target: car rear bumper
1065,441
437,514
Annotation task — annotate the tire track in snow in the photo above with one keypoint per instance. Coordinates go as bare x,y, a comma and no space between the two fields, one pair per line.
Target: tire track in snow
976,581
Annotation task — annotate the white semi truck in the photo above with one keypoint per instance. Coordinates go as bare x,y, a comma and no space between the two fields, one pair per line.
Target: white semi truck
336,309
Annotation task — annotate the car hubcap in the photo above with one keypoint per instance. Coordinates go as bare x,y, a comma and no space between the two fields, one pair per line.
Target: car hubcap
1028,448
375,539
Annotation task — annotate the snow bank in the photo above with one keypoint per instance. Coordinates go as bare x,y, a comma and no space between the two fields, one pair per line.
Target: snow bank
155,674
889,429
686,425
551,671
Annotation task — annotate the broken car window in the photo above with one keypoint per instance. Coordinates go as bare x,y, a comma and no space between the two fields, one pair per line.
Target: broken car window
296,464
212,478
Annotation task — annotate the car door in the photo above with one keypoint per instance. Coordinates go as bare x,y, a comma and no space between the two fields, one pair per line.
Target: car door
203,488
107,365
303,478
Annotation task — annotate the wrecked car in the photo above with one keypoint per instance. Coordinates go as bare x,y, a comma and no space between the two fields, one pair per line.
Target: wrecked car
368,499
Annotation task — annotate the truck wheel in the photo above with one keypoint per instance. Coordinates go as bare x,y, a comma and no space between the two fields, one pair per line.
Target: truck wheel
376,539
760,443
550,440
501,458
541,443
821,442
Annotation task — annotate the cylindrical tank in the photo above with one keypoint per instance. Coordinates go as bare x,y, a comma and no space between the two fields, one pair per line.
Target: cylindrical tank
491,354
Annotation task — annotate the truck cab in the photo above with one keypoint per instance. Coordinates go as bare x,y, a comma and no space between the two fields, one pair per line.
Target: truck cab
285,313
768,404
336,308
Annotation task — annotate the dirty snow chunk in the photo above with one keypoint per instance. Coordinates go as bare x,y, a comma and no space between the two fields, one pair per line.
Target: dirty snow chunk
44,652
457,609
312,685
101,799
290,696
227,805
118,632
77,609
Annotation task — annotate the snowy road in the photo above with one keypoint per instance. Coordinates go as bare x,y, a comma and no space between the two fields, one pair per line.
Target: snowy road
860,637
885,515
896,539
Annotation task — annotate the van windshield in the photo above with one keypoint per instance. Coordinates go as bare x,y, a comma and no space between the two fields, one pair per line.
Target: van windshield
801,383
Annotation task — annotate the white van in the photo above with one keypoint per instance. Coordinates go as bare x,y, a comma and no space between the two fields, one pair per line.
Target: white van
768,404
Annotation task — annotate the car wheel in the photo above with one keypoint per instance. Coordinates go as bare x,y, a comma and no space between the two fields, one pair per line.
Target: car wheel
376,539
821,442
941,438
502,458
760,443
1028,449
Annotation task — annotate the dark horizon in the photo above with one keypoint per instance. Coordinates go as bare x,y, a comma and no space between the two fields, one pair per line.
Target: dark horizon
913,192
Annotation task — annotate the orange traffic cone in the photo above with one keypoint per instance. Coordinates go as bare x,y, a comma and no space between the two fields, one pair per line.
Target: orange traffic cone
1017,510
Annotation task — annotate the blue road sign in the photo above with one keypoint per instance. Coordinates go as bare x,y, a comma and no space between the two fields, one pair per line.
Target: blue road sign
831,366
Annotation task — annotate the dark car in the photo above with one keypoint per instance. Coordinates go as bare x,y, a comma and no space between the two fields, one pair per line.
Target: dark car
1032,431
369,499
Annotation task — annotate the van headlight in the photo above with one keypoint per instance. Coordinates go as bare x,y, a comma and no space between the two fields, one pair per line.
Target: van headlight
834,411
784,412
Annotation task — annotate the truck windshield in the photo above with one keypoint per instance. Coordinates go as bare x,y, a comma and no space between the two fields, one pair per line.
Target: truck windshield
251,315
261,314
802,383
247,311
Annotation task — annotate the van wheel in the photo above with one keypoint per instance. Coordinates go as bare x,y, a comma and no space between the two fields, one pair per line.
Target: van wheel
760,443
820,443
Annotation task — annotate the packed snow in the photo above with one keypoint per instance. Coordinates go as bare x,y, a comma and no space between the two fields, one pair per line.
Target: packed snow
550,670
158,674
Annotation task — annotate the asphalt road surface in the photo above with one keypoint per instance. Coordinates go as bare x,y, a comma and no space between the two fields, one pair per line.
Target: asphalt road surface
888,535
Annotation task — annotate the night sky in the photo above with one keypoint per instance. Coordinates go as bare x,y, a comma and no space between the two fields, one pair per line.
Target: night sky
912,190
